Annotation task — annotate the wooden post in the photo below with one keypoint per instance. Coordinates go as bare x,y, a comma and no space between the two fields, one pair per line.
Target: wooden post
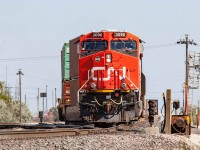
168,112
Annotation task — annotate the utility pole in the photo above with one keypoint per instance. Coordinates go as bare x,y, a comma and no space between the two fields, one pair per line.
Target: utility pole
46,99
8,90
16,90
55,97
43,95
198,115
186,41
52,99
183,96
25,98
20,92
6,75
43,106
38,98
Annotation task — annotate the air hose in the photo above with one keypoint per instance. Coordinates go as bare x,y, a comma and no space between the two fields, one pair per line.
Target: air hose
163,127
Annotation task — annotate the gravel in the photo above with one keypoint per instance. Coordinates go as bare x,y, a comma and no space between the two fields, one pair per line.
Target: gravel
122,141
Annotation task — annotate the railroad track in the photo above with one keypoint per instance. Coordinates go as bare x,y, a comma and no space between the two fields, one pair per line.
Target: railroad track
41,133
53,133
56,132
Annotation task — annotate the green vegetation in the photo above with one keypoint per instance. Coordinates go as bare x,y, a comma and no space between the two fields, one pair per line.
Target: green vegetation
10,109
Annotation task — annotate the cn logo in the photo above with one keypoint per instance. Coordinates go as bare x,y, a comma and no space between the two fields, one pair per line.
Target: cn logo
108,73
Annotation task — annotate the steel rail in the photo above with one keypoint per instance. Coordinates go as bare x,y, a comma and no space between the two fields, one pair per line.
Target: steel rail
23,133
53,133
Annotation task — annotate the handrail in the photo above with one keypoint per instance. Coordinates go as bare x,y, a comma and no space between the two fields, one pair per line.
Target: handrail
81,88
132,83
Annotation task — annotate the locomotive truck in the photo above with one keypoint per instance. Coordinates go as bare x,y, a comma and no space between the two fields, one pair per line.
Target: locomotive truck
102,79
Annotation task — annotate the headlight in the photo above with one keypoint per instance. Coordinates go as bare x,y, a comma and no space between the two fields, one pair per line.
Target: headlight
123,85
108,58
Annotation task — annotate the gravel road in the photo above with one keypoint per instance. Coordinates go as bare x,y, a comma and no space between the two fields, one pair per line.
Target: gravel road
122,141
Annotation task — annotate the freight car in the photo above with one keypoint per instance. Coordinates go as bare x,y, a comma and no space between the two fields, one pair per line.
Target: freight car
102,79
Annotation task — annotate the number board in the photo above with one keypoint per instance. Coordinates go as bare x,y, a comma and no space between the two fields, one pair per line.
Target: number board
119,34
97,34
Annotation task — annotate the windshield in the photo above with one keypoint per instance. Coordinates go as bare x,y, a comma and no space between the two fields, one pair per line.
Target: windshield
123,44
94,45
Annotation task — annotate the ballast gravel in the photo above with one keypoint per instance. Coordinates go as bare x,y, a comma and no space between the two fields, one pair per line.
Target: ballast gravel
121,141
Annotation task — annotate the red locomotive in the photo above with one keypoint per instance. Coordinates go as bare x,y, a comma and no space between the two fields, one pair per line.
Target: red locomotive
105,82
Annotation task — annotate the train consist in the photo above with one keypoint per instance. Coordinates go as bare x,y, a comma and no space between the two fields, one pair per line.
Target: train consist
102,79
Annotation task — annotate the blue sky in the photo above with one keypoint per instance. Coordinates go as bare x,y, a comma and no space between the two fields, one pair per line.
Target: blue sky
39,29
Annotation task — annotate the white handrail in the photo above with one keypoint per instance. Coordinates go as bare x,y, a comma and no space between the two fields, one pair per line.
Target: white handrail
132,83
81,88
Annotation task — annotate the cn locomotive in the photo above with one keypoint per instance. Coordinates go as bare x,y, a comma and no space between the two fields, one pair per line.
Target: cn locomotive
102,79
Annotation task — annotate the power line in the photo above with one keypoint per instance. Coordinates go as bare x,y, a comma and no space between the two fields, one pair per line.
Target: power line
162,92
30,58
58,56
39,78
160,46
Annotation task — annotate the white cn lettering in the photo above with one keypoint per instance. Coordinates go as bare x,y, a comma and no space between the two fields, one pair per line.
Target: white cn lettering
108,73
